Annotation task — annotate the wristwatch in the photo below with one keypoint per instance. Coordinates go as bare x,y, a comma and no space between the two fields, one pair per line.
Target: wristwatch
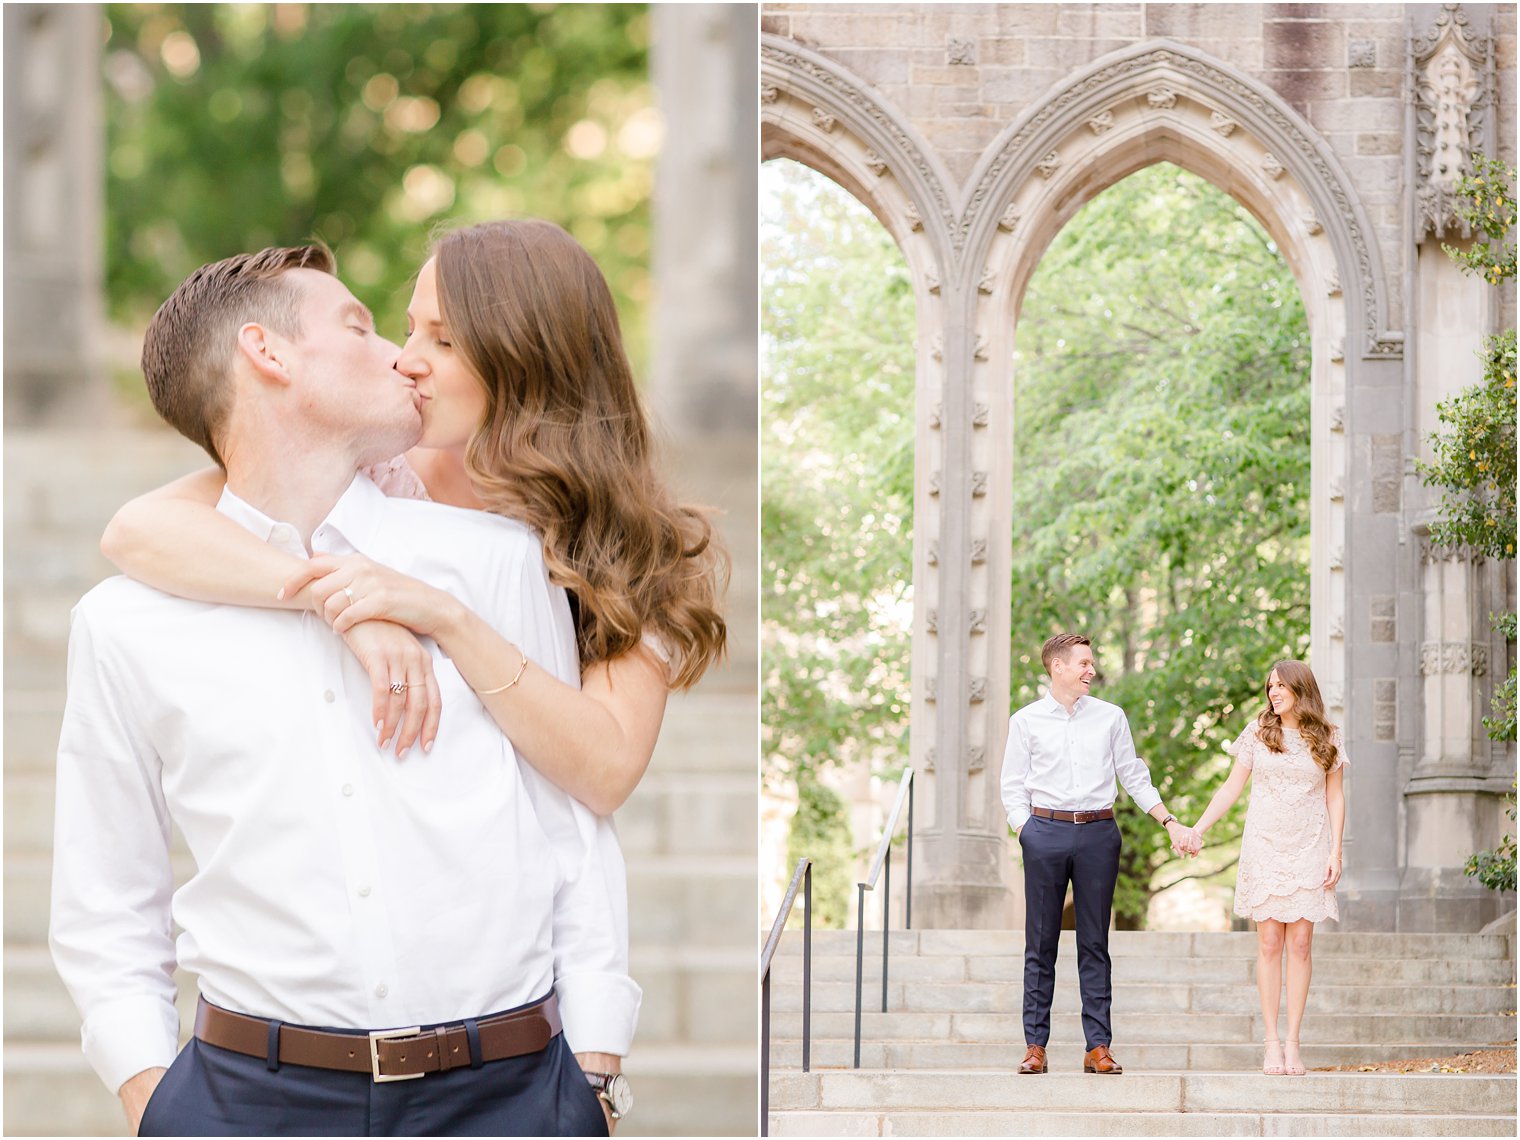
1170,818
613,1090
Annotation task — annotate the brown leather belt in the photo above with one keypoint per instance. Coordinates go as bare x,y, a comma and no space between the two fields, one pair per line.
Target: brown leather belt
1073,816
385,1054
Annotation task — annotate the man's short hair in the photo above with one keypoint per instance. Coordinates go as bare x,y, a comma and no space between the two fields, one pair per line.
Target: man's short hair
189,345
1059,646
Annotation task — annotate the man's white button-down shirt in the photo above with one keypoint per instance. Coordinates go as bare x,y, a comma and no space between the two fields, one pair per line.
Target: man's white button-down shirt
334,884
1068,761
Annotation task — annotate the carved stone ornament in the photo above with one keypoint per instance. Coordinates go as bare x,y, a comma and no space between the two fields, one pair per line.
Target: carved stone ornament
1335,697
1162,98
980,351
1338,418
976,758
915,223
978,551
824,120
936,415
960,52
769,93
1361,53
1337,490
1010,219
1271,166
1102,121
1313,225
977,691
1338,348
929,757
931,280
875,163
1048,165
978,484
931,621
1453,84
1223,123
937,346
1333,282
1338,628
1338,558
981,413
978,621
933,554
931,689
934,483
1438,657
987,282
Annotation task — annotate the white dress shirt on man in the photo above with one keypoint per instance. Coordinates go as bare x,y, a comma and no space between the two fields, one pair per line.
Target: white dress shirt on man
1068,761
335,885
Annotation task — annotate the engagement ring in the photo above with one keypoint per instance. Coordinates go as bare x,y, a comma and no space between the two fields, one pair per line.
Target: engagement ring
399,687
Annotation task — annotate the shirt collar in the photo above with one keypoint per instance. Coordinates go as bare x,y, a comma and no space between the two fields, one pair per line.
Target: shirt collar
1053,705
347,526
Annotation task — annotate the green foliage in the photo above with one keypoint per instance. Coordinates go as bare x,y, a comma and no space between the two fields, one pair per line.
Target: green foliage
1475,450
235,126
1496,869
821,832
837,480
1161,480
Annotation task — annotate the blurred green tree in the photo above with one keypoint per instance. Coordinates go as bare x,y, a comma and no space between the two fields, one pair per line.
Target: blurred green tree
235,126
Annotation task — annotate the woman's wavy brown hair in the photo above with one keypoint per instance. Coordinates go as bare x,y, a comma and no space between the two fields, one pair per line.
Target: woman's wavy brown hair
1308,705
565,444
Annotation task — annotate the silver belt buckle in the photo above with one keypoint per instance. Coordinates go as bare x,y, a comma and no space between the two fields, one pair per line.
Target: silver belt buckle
380,1035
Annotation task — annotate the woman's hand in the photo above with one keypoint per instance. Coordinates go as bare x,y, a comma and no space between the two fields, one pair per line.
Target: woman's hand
1332,871
348,588
392,655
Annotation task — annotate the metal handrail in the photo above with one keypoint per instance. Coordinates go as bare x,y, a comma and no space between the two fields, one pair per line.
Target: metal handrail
802,875
883,859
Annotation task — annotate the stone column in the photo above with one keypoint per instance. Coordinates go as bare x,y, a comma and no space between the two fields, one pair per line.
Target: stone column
54,182
1452,798
704,59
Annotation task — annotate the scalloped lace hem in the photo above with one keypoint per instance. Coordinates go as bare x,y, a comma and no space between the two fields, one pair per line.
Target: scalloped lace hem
1315,904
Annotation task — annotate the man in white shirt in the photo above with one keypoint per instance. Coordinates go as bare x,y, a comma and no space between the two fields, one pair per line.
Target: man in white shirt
1064,752
355,919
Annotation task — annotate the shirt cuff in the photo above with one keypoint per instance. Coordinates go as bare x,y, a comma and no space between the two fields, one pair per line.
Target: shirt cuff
129,1035
1148,800
599,1012
1017,821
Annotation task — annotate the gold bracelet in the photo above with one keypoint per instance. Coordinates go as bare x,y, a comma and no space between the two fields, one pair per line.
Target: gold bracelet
492,692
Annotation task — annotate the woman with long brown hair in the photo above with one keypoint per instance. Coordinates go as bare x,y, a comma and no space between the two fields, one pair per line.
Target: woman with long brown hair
528,410
1290,854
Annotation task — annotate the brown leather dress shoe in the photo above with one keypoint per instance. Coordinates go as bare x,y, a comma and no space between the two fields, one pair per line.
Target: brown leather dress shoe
1034,1060
1100,1060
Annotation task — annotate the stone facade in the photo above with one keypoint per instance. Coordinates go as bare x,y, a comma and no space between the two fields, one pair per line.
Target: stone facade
974,132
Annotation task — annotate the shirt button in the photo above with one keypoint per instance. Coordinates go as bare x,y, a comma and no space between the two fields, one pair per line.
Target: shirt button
381,990
364,894
329,696
348,789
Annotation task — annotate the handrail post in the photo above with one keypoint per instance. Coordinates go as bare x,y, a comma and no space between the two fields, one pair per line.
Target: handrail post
765,1053
860,955
886,925
807,967
908,894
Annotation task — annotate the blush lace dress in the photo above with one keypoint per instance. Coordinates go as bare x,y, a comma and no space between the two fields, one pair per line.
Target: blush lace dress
1286,845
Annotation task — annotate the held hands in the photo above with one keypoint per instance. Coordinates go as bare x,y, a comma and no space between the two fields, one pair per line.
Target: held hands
376,610
1185,840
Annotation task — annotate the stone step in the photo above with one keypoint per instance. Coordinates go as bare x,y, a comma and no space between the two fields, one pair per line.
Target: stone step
1148,997
1177,1092
1134,1124
680,1091
1129,969
1066,1056
1149,1028
1151,944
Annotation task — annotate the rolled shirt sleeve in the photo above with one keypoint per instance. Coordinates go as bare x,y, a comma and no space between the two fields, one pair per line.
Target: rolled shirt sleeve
1016,775
1131,770
110,930
599,1002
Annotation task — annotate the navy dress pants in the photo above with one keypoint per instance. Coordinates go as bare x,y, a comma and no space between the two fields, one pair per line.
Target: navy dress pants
214,1092
1086,855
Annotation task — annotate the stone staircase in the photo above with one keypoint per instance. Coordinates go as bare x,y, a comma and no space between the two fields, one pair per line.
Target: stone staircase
689,832
1187,1028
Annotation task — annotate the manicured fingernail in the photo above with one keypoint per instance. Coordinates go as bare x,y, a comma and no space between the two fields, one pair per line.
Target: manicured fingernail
428,747
280,597
402,754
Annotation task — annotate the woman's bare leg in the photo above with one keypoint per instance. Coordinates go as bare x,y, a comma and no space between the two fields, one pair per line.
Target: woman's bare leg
1269,950
1300,938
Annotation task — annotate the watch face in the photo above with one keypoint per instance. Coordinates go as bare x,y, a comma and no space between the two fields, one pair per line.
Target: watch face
620,1094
